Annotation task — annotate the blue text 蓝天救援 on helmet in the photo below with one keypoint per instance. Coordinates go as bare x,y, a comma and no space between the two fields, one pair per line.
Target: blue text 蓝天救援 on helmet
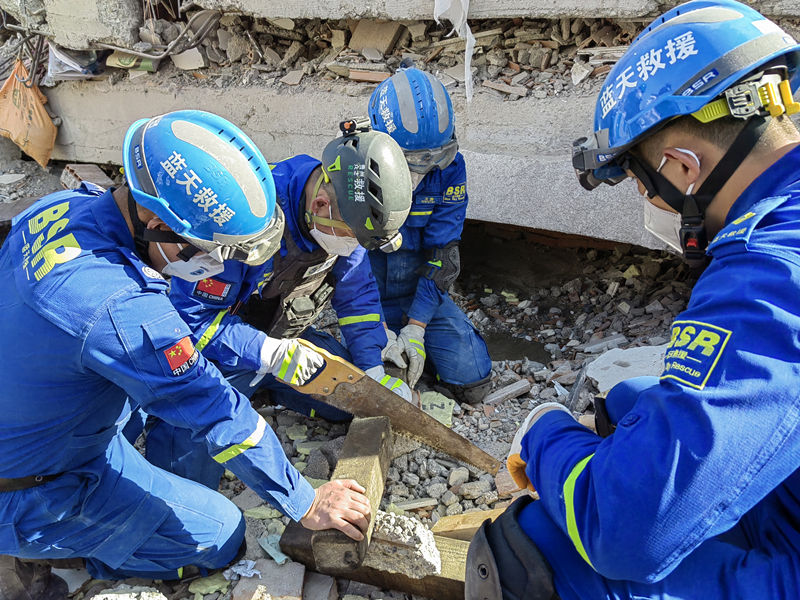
207,181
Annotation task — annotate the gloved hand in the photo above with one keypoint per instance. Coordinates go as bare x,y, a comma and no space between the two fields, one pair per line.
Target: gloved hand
287,360
412,340
516,466
393,351
398,386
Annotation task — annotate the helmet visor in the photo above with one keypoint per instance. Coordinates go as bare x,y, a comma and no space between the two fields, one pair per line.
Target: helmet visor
254,251
427,159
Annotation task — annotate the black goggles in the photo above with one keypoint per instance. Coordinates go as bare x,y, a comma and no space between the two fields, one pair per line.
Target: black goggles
594,166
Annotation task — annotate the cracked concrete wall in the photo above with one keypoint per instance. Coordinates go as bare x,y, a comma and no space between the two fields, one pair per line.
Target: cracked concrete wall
518,153
77,23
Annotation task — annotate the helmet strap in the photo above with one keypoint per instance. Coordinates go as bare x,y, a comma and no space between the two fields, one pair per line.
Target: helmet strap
139,228
692,206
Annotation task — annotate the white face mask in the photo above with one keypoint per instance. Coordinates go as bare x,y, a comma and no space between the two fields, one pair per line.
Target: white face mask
334,244
200,266
664,224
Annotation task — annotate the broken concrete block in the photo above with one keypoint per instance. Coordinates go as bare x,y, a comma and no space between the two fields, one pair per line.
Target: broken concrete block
371,34
280,582
474,489
338,39
458,476
417,30
368,76
190,59
74,174
271,57
287,24
580,71
8,151
292,77
618,365
371,54
515,90
126,592
509,392
238,47
505,483
605,343
293,52
439,406
319,587
418,503
403,545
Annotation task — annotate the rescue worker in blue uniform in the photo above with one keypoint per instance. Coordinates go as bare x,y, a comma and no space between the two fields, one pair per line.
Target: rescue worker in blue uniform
330,219
95,338
415,109
696,493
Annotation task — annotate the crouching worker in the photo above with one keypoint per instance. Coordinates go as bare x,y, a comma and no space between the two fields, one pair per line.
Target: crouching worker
92,336
246,318
695,493
415,109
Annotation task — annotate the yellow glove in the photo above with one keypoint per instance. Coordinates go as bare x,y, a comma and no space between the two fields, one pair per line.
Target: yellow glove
516,466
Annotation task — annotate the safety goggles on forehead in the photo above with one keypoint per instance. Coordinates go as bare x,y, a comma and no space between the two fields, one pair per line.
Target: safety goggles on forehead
425,160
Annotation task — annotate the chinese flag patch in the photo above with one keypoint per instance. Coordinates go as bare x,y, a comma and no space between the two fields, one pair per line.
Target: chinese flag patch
181,357
212,289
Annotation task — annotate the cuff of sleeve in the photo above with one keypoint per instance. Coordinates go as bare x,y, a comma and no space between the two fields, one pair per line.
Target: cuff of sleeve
252,354
304,494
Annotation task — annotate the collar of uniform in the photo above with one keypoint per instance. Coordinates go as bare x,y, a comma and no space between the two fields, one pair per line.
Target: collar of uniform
290,178
110,221
780,175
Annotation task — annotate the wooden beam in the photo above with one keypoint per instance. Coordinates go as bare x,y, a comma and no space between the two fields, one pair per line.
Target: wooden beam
447,585
365,458
464,526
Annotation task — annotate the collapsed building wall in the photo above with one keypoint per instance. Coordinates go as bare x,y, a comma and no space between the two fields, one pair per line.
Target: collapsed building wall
289,81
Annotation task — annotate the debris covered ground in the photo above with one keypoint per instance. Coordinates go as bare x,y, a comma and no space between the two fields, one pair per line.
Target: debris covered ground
562,309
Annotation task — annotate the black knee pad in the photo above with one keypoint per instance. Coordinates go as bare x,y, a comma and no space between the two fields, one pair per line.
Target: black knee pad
471,393
503,563
602,422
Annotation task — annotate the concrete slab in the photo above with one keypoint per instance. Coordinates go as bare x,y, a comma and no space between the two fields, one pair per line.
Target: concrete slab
518,158
618,365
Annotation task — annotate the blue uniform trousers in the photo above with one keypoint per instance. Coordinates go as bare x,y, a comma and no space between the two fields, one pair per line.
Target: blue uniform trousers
455,350
127,517
175,450
722,568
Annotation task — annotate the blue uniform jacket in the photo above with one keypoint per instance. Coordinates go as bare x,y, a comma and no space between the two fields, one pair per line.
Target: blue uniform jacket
716,440
88,325
236,344
436,219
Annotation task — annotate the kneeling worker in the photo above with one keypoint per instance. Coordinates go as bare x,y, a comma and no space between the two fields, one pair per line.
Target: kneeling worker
96,337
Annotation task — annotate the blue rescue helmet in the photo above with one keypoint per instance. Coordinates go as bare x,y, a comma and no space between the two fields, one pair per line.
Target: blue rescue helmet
415,109
207,181
687,62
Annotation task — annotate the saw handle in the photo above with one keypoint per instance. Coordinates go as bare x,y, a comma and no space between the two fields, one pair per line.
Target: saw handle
336,370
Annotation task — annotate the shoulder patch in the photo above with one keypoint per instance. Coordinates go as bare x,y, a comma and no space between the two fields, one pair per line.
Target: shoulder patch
694,352
212,289
181,357
742,228
455,193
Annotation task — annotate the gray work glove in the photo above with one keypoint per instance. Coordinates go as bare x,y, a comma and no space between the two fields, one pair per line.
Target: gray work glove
412,339
398,386
393,351
288,361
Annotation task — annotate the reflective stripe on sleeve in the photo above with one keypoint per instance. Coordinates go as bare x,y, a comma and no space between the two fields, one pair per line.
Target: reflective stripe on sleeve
372,317
237,449
420,213
569,505
210,331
